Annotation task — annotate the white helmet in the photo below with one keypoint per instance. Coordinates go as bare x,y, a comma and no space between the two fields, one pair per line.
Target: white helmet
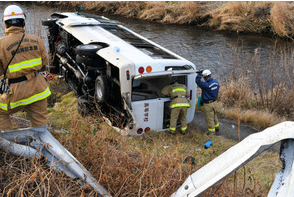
13,12
206,73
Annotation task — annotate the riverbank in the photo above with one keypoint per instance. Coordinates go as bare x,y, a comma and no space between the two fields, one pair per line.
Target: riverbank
265,18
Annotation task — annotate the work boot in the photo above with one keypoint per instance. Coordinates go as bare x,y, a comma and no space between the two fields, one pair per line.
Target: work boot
171,132
183,132
210,133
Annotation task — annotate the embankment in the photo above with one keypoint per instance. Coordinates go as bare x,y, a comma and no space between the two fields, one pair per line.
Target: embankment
266,18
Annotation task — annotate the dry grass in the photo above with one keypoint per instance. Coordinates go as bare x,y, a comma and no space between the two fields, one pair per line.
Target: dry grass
235,93
23,177
282,18
265,90
164,12
58,88
151,165
243,17
172,12
154,11
274,18
259,119
239,101
141,166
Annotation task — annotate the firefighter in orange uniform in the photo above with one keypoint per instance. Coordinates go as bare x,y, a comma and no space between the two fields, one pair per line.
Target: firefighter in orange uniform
19,63
179,105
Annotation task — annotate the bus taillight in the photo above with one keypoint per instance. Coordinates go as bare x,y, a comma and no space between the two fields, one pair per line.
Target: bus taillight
141,70
140,131
128,74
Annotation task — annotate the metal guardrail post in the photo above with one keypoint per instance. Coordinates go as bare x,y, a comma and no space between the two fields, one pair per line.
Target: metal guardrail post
283,185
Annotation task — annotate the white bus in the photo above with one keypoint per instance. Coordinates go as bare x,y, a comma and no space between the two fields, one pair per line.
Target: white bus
118,71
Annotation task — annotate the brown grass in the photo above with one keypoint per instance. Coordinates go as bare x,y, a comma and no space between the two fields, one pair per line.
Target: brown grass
259,119
267,91
244,17
154,11
271,18
23,177
261,109
233,92
164,12
129,166
282,18
141,166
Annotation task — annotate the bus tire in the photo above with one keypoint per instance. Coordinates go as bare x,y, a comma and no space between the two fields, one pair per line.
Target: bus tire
49,22
88,49
101,89
85,60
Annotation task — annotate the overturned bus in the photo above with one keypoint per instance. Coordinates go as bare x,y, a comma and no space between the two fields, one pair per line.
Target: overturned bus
116,70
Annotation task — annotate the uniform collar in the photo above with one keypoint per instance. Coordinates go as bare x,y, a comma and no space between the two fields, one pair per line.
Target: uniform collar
14,30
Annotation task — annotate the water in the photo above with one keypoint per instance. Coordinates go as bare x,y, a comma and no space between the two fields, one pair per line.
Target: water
219,52
205,48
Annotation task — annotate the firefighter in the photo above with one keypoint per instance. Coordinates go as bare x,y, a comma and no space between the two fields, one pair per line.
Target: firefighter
22,56
210,89
178,105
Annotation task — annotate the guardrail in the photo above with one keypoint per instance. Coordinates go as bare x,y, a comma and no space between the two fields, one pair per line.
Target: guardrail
37,142
240,154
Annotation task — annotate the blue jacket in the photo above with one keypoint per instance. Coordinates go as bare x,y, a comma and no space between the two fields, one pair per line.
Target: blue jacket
209,88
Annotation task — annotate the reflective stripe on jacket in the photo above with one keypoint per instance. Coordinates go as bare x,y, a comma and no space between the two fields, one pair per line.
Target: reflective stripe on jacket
25,64
3,106
25,93
30,57
34,98
178,93
180,105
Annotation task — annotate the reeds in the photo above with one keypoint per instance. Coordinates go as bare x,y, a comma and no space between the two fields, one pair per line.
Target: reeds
262,94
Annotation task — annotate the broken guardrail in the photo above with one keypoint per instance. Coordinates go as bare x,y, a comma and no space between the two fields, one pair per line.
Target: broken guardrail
38,142
240,154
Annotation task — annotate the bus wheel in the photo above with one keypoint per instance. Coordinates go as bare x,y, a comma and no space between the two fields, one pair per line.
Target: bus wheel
88,49
101,89
49,22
